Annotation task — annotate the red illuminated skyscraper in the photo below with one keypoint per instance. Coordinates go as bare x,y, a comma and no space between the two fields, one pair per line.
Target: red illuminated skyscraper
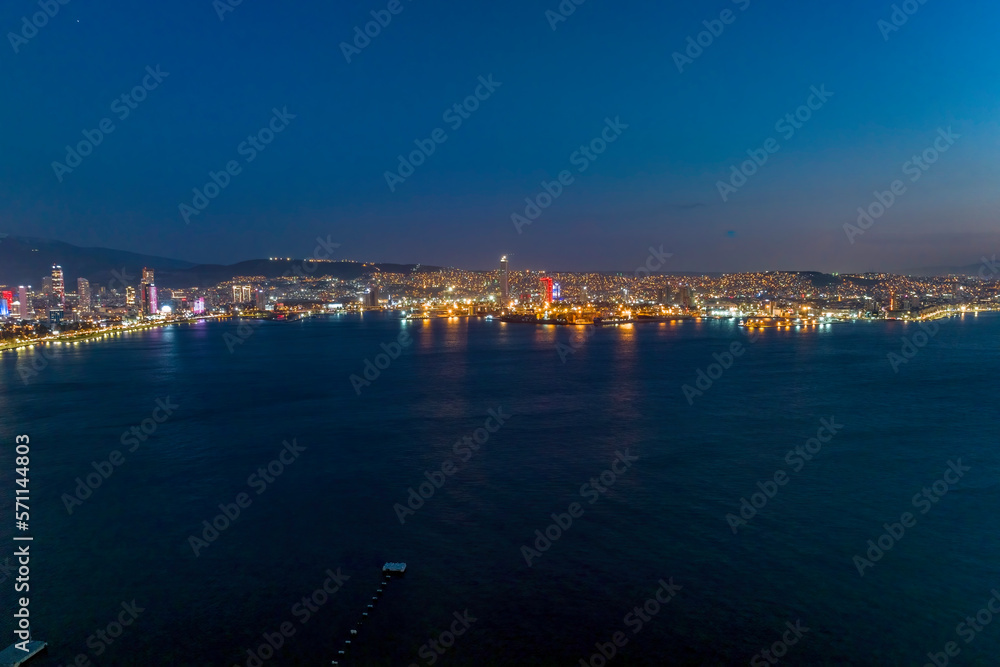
546,289
9,298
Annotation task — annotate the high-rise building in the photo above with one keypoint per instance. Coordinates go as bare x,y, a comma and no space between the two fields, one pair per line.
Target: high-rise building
129,296
242,294
546,287
8,299
260,299
83,294
149,303
504,282
371,298
22,297
556,291
147,292
58,285
687,296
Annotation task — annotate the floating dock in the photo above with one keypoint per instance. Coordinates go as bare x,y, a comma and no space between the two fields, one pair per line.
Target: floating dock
12,656
394,568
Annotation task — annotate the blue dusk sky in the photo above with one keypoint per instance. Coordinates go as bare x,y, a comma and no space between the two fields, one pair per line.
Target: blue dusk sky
895,88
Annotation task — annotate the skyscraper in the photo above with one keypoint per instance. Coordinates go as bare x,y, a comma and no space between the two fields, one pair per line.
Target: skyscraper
547,287
129,296
58,285
242,294
371,299
504,282
8,299
149,304
147,276
83,294
22,297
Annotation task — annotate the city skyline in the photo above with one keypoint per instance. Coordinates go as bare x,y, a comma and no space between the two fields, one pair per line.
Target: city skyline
971,263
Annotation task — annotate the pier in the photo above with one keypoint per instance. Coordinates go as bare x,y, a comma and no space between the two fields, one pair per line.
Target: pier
12,656
389,570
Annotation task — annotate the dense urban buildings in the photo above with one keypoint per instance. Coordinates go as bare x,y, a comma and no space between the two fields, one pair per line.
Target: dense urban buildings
772,298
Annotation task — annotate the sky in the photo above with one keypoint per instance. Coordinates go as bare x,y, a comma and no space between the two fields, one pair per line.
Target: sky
674,127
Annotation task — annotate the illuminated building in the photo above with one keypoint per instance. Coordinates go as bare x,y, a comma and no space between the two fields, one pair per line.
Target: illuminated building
22,297
147,292
83,294
546,287
260,299
129,296
242,294
8,301
149,302
371,299
199,306
58,284
556,292
504,282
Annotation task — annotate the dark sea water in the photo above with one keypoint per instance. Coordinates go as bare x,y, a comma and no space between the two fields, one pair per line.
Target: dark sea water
619,390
